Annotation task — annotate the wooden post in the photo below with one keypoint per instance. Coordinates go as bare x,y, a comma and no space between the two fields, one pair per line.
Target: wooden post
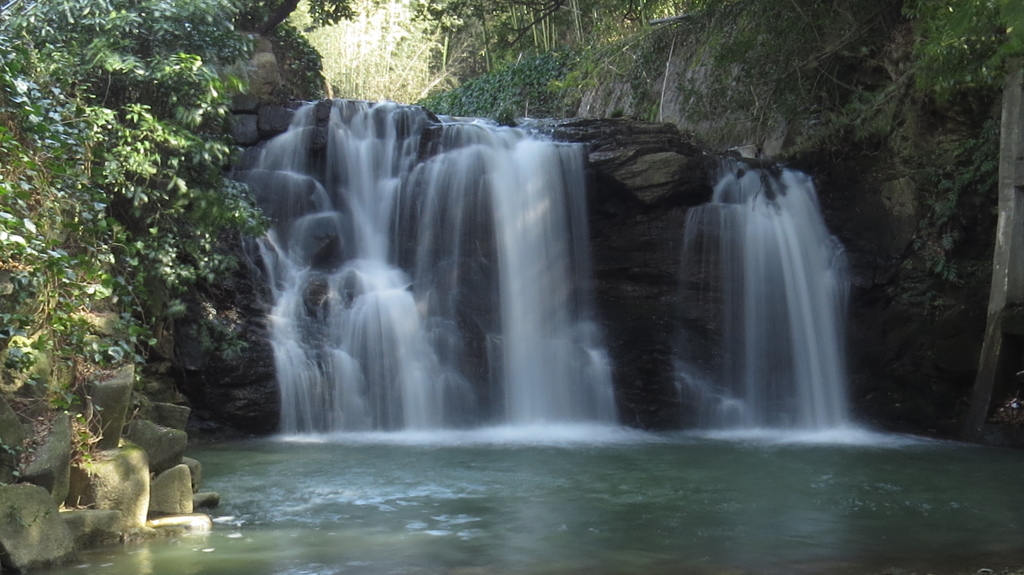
999,362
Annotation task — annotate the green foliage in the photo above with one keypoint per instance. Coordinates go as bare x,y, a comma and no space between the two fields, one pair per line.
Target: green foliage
973,167
768,74
530,87
112,115
301,62
964,45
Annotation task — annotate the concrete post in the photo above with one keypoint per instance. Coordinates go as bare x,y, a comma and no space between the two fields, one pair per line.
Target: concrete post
1001,354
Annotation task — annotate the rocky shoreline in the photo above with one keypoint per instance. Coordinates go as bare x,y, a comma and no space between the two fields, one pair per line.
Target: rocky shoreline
58,497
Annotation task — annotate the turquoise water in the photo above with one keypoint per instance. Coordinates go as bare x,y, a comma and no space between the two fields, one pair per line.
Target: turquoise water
599,500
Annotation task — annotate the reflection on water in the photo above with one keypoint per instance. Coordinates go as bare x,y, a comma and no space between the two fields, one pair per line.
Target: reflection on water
595,500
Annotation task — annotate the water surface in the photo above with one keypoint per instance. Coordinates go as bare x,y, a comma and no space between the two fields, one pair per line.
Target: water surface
573,500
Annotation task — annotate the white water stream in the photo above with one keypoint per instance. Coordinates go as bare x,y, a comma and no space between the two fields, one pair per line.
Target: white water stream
427,275
761,243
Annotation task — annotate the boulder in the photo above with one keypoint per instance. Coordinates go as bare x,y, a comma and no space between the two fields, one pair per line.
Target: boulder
32,533
111,398
164,446
117,480
165,414
244,129
651,162
51,466
93,527
12,439
206,500
653,177
196,470
171,492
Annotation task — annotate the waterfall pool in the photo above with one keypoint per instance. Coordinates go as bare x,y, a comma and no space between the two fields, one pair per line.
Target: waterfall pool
597,500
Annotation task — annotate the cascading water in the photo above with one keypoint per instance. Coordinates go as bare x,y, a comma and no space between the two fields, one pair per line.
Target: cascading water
427,274
760,250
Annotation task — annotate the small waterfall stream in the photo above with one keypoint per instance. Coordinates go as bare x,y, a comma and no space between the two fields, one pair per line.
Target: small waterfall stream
427,274
780,282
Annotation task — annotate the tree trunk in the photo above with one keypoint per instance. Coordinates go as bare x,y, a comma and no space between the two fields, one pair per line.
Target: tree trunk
279,15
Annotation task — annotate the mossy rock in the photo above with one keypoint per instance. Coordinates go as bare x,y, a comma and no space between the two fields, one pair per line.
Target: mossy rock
171,492
32,533
196,470
93,527
111,398
12,439
51,466
164,446
164,414
116,479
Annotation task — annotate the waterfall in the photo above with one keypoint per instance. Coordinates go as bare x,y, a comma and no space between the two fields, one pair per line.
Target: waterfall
760,254
427,274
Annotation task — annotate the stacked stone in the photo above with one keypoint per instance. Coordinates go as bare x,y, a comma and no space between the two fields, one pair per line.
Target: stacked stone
128,487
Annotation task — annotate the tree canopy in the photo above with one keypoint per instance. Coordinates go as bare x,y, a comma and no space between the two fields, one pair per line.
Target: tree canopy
263,16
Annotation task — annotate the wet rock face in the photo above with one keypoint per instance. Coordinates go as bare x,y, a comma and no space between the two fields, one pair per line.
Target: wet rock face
643,178
653,163
914,340
224,361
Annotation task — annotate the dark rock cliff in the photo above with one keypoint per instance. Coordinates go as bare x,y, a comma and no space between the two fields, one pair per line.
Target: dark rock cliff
643,177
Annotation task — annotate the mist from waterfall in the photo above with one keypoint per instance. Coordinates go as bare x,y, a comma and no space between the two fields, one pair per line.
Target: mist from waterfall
427,274
761,257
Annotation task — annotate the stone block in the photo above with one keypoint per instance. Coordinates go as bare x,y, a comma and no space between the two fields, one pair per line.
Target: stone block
273,120
115,480
171,492
12,438
51,466
322,112
196,469
244,129
244,104
164,446
264,75
32,533
111,398
93,527
165,414
206,500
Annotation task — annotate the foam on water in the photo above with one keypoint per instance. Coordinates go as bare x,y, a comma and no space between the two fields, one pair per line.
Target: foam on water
848,435
539,435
